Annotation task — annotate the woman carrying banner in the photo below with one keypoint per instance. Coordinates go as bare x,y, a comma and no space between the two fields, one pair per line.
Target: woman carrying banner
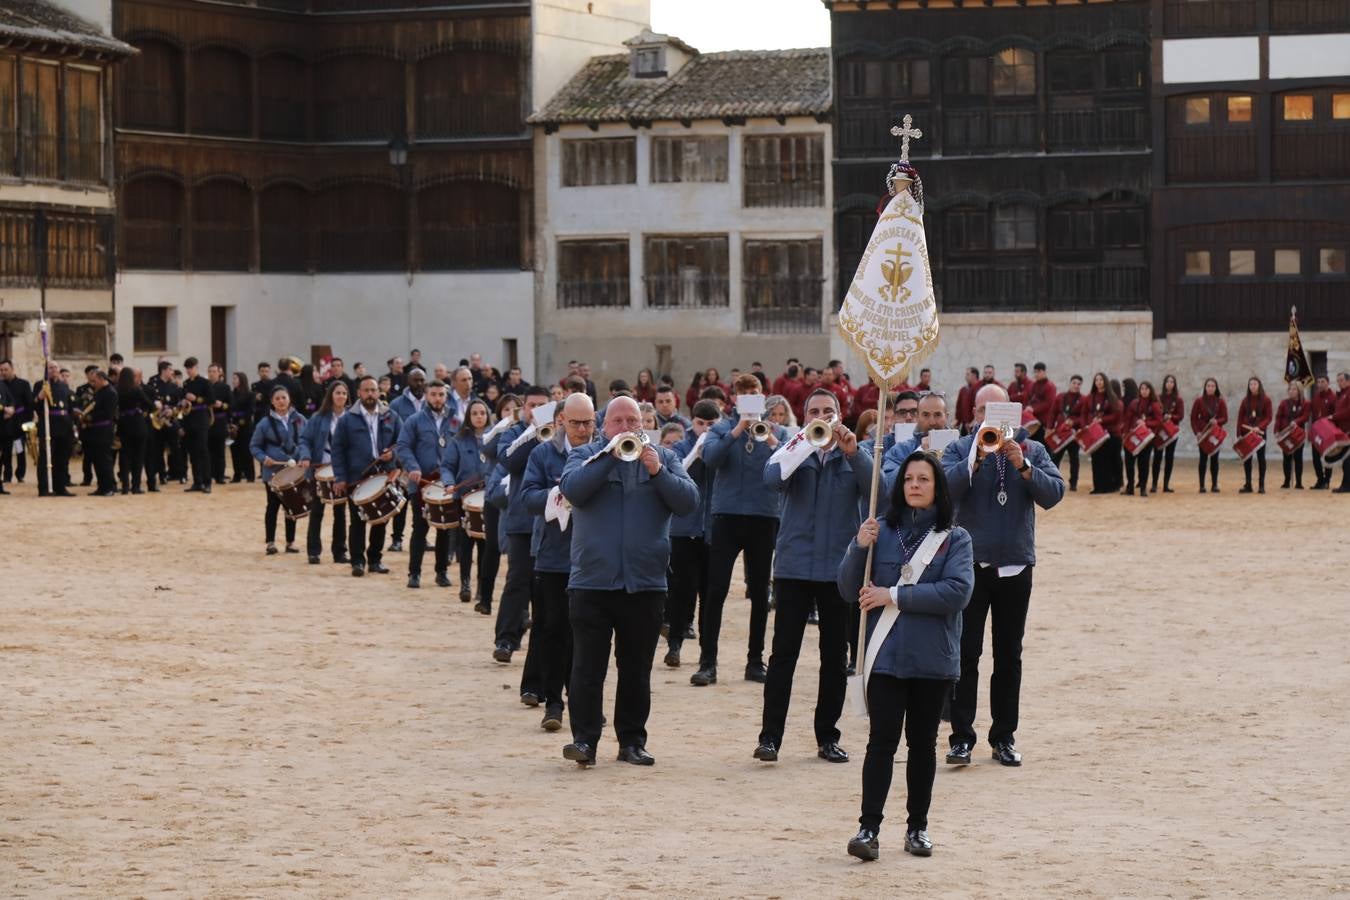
921,580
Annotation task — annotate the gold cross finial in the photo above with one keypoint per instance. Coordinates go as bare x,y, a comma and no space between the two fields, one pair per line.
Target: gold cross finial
905,132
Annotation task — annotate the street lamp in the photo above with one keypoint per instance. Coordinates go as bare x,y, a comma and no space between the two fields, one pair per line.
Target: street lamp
398,153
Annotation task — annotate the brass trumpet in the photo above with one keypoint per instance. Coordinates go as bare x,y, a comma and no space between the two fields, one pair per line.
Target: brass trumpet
761,430
991,437
819,433
30,440
630,446
545,433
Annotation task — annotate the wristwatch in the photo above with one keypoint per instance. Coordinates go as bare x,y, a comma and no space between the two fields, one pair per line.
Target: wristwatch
1024,466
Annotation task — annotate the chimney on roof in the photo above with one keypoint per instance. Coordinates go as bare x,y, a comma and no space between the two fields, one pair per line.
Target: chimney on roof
653,55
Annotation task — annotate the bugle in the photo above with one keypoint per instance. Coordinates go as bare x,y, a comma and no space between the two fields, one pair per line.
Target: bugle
30,440
761,430
819,433
991,437
545,433
630,446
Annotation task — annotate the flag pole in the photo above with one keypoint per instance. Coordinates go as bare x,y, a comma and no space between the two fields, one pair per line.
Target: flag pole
878,448
46,407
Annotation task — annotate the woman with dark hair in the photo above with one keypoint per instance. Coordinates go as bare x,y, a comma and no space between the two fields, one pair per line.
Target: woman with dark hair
1144,408
1293,410
922,577
1209,409
1173,410
1254,415
1103,405
311,389
316,450
644,391
133,429
492,393
696,386
241,417
276,441
464,466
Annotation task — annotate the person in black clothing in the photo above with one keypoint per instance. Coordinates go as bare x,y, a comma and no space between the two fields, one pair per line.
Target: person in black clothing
337,371
164,395
241,428
133,405
288,370
196,424
312,391
84,395
11,429
6,414
220,398
51,402
97,435
262,391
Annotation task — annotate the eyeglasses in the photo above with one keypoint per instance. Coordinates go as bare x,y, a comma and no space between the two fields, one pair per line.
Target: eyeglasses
579,423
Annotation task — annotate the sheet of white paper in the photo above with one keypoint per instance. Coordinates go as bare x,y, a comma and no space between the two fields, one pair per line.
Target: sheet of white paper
654,437
939,438
1001,414
613,442
506,485
904,431
543,415
497,429
750,405
695,450
557,509
523,438
791,454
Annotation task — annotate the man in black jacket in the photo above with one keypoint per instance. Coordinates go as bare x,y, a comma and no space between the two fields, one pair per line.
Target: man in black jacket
97,433
197,392
11,429
52,403
219,430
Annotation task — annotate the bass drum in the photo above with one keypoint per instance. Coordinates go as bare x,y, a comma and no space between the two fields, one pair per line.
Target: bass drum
377,499
293,490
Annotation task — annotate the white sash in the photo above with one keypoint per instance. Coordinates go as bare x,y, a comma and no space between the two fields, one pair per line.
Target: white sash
917,563
792,454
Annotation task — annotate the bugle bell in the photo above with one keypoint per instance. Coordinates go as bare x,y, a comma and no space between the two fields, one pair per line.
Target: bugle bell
991,437
545,433
761,430
819,433
630,446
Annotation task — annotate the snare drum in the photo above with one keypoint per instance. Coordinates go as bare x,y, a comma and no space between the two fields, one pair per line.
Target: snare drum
1091,436
440,507
1167,435
323,485
1329,440
473,515
377,499
293,490
1291,439
1248,444
1029,421
1139,439
1211,440
1059,438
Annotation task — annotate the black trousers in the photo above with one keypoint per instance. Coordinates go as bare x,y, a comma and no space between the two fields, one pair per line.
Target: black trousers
688,582
419,542
240,459
1005,600
86,463
98,450
1138,466
732,535
12,465
314,530
1293,465
1321,469
1165,455
199,455
793,602
915,703
131,458
1260,465
516,592
1107,474
356,538
215,448
175,442
633,621
400,524
155,448
489,555
1071,448
1211,463
551,636
270,520
62,444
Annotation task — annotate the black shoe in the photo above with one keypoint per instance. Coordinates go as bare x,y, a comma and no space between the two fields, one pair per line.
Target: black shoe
195,489
665,629
1005,755
689,634
378,569
272,550
1202,488
152,489
580,752
465,595
959,755
1073,488
767,751
673,656
342,559
832,752
1168,490
137,491
86,483
1343,489
442,580
236,479
917,842
62,493
638,756
705,676
552,719
1214,489
1245,489
502,652
1285,486
529,698
291,548
414,581
358,571
865,845
755,671
483,608
220,481
313,560
1321,486
1261,489
126,489
396,547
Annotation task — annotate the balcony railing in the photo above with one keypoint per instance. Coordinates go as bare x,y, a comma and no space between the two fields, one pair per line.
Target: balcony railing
356,249
694,289
1212,157
469,117
150,109
782,305
1074,287
1309,15
990,131
1320,154
282,117
580,293
1098,129
221,247
284,248
1209,17
473,247
777,185
152,245
366,119
1004,287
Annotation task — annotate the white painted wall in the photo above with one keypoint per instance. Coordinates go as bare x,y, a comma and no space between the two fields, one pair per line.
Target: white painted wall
368,317
1211,59
567,33
1309,55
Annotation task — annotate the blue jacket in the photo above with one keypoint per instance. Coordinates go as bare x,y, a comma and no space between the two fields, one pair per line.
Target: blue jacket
820,512
315,440
517,519
497,497
697,523
402,405
419,443
351,445
550,546
739,489
271,441
463,459
925,641
621,519
1002,535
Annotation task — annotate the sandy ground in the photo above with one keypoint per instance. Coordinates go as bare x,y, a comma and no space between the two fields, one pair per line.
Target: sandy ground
184,715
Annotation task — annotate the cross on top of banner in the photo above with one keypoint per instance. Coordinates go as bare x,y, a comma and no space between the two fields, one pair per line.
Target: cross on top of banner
905,131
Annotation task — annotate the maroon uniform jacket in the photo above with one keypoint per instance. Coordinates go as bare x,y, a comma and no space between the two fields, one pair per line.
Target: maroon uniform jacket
1206,408
1017,391
1041,398
965,405
1148,410
1099,406
1173,407
1321,405
1067,408
1256,412
1342,414
1291,412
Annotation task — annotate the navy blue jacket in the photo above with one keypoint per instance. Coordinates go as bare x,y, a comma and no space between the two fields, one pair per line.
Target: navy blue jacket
272,441
497,497
402,405
315,440
1002,535
925,641
419,443
550,546
351,445
820,512
697,523
739,488
621,519
517,519
463,459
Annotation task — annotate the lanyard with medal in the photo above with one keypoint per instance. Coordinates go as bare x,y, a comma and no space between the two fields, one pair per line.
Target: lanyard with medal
907,570
1001,465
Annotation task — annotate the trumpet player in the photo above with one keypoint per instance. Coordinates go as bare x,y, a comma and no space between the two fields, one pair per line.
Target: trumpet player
744,517
219,397
997,485
196,425
821,498
621,512
97,435
52,403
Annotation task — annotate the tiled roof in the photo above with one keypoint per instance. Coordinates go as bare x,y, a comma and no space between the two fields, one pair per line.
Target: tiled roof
39,22
741,83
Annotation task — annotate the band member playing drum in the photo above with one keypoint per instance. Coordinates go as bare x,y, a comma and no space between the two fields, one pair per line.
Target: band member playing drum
463,463
921,580
276,444
407,404
363,446
1144,410
621,511
1254,416
997,486
1321,406
1068,408
424,436
513,454
1209,410
820,515
316,449
1040,399
1293,411
689,535
1104,407
1173,411
965,400
551,544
